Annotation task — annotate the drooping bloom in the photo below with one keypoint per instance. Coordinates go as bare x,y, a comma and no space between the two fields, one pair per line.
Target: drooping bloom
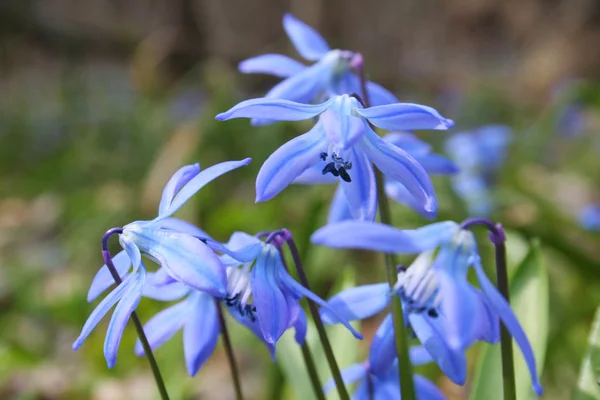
344,142
385,385
330,75
432,163
438,287
478,155
589,217
185,258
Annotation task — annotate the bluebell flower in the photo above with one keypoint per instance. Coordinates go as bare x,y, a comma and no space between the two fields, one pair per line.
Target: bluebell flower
479,155
345,143
185,258
589,217
418,149
330,75
385,385
260,290
446,312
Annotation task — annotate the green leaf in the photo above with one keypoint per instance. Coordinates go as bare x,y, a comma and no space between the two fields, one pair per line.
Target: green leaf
530,301
587,386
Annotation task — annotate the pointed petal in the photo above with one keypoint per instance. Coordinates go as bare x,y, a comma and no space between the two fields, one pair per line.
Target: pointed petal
271,306
396,191
241,248
161,278
426,389
288,162
401,166
306,40
273,109
253,326
271,64
163,326
361,192
498,303
488,324
379,95
437,164
358,303
181,226
383,347
339,210
177,181
405,116
350,375
132,250
419,356
300,327
126,306
453,363
198,182
102,308
184,258
164,292
379,237
342,130
409,143
302,291
103,279
200,332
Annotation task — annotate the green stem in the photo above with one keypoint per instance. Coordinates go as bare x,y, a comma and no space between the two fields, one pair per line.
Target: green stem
229,351
312,372
335,369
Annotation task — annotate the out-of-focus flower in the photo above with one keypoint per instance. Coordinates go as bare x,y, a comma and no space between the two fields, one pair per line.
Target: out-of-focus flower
166,241
345,144
432,288
478,154
589,217
330,75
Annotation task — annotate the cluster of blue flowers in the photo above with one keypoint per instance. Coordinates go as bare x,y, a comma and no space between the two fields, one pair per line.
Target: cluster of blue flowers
248,276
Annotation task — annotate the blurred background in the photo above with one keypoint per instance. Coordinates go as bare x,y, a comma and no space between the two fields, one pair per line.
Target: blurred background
102,100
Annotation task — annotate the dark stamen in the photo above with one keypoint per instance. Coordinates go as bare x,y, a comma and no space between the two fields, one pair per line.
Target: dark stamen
323,156
344,175
330,168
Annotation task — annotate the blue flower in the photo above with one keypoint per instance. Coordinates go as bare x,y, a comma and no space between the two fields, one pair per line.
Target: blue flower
385,385
438,287
419,150
345,144
166,241
330,75
478,155
589,217
260,290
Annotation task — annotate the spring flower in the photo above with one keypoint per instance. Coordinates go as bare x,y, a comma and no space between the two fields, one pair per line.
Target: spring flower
330,75
185,258
589,217
261,291
419,150
478,155
438,287
344,141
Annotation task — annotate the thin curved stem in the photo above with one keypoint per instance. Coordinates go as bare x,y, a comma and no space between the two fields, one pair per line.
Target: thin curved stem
498,238
405,370
229,351
333,366
160,384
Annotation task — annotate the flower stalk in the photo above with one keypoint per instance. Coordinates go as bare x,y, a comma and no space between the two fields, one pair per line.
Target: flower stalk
498,238
407,390
160,384
235,376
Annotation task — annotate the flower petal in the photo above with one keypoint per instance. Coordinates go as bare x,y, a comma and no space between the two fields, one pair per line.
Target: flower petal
358,303
314,175
339,210
274,109
127,305
419,355
271,64
396,191
163,326
254,327
241,248
426,389
271,306
401,166
488,324
300,327
306,40
132,250
342,130
181,226
379,95
163,292
200,332
437,164
382,353
409,143
177,181
405,116
498,303
102,308
350,375
103,279
379,237
183,257
361,192
200,180
288,162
